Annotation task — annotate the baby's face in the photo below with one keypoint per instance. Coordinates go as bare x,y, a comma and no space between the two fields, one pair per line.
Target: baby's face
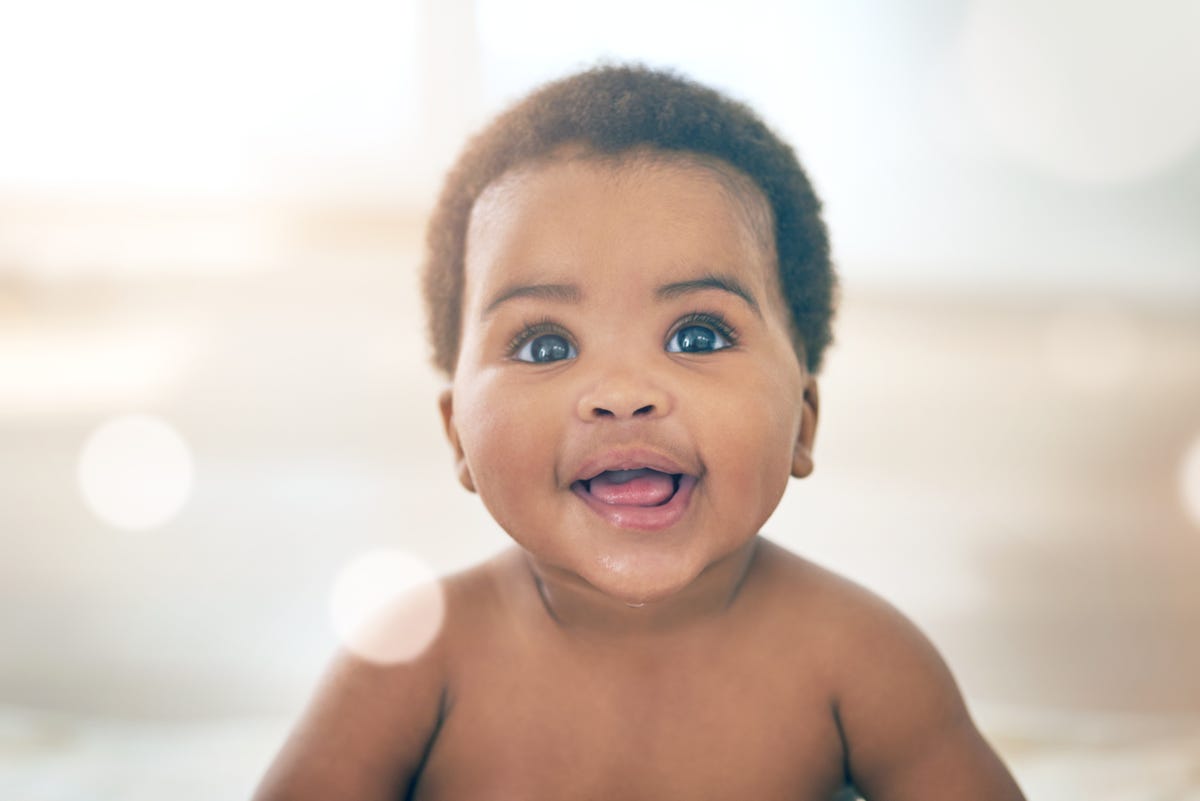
627,401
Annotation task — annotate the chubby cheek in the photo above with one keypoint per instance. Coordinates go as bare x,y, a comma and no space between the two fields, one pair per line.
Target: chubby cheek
509,441
757,472
759,446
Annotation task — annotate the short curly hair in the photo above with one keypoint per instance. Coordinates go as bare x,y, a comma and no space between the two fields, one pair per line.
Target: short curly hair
614,110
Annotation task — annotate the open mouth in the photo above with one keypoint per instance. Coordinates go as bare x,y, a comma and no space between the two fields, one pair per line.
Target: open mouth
642,486
641,498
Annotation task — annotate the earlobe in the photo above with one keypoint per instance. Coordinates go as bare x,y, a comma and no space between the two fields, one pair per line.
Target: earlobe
802,458
446,404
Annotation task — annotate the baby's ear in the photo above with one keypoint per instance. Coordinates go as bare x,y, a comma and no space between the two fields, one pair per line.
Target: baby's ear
802,459
446,403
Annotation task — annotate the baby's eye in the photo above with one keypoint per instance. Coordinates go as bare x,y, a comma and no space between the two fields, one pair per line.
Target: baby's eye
546,348
697,339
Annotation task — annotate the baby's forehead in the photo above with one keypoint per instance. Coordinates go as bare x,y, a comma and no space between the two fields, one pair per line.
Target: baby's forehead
643,163
678,210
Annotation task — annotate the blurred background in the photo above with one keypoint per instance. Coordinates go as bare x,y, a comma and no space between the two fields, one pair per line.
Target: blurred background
215,393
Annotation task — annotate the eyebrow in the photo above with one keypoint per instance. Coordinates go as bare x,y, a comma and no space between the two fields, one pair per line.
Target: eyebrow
569,293
725,283
563,293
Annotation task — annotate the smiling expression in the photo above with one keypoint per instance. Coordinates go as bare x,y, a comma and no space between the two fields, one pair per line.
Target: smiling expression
627,401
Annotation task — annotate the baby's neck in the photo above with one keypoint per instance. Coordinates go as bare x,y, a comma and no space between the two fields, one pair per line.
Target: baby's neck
577,607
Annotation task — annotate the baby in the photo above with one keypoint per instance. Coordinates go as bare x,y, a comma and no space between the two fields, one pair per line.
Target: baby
629,286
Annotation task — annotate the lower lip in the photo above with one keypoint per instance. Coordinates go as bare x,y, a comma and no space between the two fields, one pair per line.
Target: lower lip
642,518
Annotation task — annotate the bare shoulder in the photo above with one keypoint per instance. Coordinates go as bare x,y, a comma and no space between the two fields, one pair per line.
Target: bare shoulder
871,648
851,620
815,602
369,725
906,730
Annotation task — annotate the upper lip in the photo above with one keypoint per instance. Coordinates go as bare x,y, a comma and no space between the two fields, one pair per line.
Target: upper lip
629,459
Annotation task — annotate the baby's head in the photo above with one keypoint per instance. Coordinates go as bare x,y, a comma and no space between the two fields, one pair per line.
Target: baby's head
610,113
629,285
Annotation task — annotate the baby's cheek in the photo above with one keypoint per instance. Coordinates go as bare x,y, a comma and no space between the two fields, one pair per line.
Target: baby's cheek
774,429
509,441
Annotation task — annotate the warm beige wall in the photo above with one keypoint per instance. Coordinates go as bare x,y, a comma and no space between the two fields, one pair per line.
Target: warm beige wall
203,216
1005,468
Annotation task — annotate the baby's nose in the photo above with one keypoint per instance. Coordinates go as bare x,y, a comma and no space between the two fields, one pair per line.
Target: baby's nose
623,396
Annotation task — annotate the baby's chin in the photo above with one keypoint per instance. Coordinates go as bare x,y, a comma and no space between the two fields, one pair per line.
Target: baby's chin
639,587
646,579
607,579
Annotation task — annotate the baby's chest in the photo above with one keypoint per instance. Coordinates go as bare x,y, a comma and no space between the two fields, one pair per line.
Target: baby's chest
591,733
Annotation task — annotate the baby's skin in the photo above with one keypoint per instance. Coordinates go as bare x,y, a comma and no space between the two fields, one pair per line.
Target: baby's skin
629,404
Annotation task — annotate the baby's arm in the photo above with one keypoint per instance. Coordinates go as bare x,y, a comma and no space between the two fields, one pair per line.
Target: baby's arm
907,732
363,736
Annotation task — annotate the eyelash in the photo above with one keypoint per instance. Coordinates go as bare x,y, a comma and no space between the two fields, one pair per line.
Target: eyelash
535,328
713,320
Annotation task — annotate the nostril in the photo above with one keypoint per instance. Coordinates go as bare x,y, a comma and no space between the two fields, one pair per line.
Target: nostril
620,412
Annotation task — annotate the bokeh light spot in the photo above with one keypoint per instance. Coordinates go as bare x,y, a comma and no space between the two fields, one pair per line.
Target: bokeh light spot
1095,92
1189,481
1092,347
387,606
135,472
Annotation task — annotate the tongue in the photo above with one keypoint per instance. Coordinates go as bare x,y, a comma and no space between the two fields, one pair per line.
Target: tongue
644,487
